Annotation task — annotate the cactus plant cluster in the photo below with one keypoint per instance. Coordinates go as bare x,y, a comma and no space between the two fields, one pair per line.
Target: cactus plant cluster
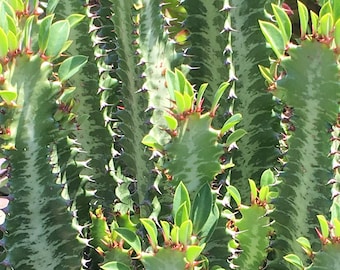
149,134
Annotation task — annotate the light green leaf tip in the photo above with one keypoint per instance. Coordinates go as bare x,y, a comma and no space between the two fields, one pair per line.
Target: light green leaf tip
295,260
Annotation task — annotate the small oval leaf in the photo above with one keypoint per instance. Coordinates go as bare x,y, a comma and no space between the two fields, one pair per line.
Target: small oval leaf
235,136
253,190
323,225
71,66
59,32
231,122
151,229
265,72
303,14
274,37
131,238
185,232
8,96
74,19
295,260
326,25
267,178
220,91
171,121
193,252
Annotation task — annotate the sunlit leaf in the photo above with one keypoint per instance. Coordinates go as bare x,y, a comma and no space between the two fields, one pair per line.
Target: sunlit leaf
283,22
274,37
71,66
323,225
131,238
3,44
151,229
295,260
303,15
231,122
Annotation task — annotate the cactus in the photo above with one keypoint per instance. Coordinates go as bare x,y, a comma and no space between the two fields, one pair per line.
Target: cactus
139,134
40,230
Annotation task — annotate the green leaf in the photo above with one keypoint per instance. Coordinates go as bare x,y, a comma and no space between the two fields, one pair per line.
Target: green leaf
303,14
150,141
17,5
220,91
8,7
166,230
336,228
193,252
182,214
235,136
44,31
175,234
235,194
51,5
336,10
201,208
71,66
180,103
231,122
272,195
188,89
253,190
8,96
27,32
58,36
181,197
171,121
295,260
324,226
74,19
326,25
3,44
315,22
200,94
283,22
115,266
305,244
188,102
151,229
267,178
185,232
325,9
131,238
267,75
263,193
180,81
11,24
274,37
12,41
